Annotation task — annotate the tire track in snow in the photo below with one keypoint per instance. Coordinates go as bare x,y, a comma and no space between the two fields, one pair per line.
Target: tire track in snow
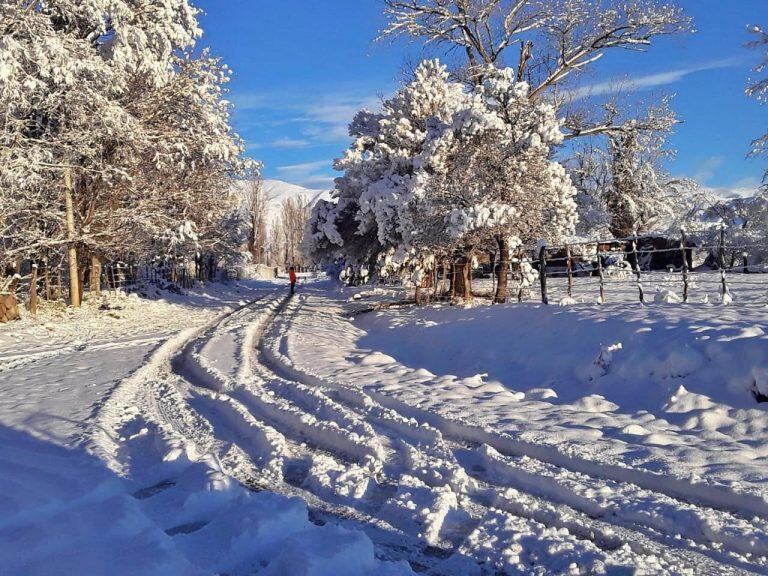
373,464
158,392
707,542
431,520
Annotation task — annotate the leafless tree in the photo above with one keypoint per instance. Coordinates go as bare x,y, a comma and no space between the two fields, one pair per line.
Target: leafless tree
555,39
275,248
256,204
624,186
294,213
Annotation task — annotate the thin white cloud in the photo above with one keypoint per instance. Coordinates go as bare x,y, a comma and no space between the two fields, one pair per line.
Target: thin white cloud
319,117
305,166
290,143
744,188
308,174
328,119
319,182
707,169
651,81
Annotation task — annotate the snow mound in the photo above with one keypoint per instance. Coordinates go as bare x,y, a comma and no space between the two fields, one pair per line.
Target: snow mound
331,550
666,297
634,430
594,403
376,359
683,401
683,362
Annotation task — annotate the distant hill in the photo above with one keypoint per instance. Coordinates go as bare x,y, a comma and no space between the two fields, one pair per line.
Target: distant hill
277,190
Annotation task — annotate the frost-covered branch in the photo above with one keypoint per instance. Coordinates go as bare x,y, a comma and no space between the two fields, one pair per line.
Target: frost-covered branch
559,37
758,87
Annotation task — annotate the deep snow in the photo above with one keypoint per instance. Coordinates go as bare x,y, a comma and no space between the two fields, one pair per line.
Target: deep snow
70,506
232,431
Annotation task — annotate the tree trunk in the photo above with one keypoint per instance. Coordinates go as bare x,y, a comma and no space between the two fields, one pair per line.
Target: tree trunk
95,277
32,303
81,281
461,278
57,293
252,241
502,270
47,281
74,287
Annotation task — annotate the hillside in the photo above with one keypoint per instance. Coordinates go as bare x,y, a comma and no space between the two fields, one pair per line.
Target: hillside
277,190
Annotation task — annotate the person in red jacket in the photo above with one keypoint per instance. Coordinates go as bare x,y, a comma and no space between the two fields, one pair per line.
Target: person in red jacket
292,278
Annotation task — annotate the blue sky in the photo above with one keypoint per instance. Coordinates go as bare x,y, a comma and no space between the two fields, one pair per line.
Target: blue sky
302,68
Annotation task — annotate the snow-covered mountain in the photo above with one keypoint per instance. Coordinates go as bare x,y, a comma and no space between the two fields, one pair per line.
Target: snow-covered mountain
277,191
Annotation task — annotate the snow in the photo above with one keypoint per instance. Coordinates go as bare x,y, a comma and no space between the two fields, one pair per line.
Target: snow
277,191
171,509
670,409
648,363
234,430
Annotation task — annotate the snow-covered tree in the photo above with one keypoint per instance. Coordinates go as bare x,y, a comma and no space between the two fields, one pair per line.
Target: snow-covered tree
624,187
294,214
746,226
60,103
106,97
552,41
255,207
758,88
185,174
641,196
363,220
492,180
441,171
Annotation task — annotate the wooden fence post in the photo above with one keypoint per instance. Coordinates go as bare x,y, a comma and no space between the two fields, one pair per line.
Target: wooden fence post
600,274
58,293
95,276
637,269
493,279
685,264
721,263
543,274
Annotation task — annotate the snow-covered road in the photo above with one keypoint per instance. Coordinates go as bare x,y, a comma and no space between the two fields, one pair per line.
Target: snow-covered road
229,417
446,497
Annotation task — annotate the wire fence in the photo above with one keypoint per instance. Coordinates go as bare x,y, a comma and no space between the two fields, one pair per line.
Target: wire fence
702,264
